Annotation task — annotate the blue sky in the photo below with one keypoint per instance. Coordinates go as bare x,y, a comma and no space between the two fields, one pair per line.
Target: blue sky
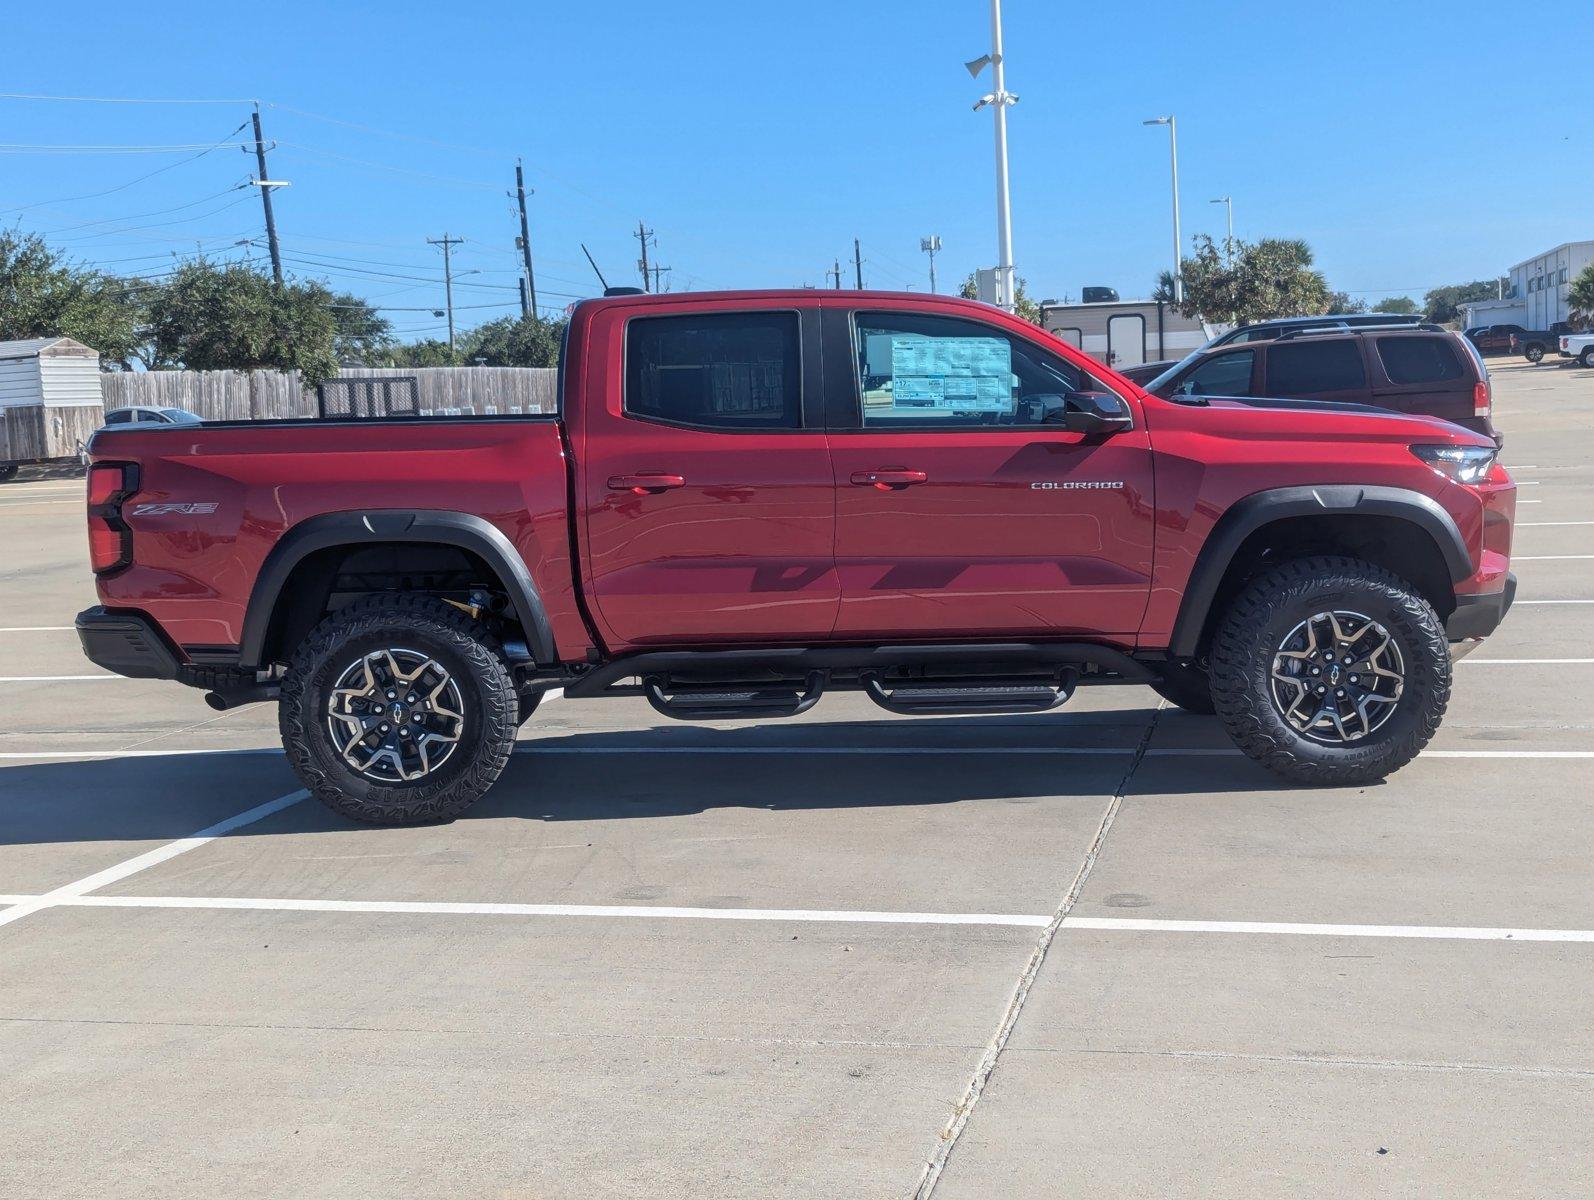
757,140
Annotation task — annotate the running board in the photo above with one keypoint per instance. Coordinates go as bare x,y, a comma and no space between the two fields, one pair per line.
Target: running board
709,702
947,697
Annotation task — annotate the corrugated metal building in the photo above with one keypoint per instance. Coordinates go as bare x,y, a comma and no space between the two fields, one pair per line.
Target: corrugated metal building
55,372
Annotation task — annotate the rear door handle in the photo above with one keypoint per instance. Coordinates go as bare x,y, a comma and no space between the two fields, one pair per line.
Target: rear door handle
888,478
645,483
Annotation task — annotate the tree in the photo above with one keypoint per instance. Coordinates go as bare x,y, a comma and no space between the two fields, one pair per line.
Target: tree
428,352
1444,303
526,341
44,295
359,332
1399,305
214,316
1262,280
1344,302
1580,296
1023,307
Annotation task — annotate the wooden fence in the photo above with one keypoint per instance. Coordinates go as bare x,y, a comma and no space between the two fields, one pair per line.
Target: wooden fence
278,395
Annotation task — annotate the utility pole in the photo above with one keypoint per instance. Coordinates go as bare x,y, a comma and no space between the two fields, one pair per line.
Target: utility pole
999,99
265,184
857,264
657,271
835,272
528,302
448,243
642,235
930,245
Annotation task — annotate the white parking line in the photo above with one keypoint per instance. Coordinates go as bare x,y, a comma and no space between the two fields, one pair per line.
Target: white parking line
151,858
64,899
36,628
1547,557
1546,524
1520,662
1553,602
1299,929
56,678
982,751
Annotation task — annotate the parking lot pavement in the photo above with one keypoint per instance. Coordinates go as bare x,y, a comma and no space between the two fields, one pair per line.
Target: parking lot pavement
1091,952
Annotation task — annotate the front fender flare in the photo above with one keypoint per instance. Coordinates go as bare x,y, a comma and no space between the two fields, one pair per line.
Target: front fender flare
463,530
1249,514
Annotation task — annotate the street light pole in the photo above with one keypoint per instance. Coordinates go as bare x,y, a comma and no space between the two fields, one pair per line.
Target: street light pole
1228,202
1178,242
999,99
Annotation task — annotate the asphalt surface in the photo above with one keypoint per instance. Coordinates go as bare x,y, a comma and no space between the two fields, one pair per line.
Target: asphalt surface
850,955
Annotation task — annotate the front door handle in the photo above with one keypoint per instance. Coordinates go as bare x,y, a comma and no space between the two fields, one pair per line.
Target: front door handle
646,483
888,478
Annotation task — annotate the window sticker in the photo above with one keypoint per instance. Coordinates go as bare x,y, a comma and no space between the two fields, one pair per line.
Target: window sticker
957,374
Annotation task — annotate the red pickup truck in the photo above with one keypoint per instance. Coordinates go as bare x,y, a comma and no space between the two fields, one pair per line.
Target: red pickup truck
750,499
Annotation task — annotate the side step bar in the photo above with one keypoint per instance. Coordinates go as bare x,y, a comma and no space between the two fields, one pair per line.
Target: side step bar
947,697
708,702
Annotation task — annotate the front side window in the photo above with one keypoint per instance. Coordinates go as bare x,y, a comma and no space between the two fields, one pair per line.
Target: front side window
919,372
1307,367
730,371
1223,375
1418,359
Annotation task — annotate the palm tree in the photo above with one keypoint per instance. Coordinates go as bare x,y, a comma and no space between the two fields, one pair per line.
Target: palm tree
1580,296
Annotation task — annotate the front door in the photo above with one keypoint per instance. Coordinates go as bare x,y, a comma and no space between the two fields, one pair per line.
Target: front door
960,511
705,479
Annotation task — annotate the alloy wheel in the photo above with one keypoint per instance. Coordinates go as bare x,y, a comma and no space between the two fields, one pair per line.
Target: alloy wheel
395,715
1337,677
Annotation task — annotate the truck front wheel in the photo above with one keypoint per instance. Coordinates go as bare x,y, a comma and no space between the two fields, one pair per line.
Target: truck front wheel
398,710
1534,352
1330,671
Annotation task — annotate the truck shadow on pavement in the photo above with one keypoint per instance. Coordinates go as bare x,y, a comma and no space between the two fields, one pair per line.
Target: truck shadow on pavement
625,775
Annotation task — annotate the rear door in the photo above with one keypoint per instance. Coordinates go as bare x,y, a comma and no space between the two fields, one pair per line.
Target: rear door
1126,340
1423,373
704,476
960,512
1322,367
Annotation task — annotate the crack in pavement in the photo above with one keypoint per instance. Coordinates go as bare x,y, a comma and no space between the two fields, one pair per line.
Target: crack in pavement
958,1122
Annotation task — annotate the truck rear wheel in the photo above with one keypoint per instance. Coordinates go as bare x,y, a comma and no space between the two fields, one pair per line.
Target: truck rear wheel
398,710
1587,357
1331,671
1534,352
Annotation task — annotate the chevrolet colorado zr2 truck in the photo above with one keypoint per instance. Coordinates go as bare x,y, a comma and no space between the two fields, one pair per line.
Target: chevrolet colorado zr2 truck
747,500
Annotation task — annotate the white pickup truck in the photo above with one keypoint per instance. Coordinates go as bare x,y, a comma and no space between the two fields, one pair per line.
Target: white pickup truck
1579,346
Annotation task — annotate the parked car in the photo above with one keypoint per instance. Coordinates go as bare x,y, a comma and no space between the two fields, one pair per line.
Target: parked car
1579,346
1534,345
750,499
1421,369
146,414
1266,331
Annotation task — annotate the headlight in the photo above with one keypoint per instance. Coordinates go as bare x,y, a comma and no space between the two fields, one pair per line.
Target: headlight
1464,464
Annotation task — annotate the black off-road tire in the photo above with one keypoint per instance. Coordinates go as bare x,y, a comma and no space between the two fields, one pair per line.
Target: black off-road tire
1188,686
1587,357
1257,623
462,646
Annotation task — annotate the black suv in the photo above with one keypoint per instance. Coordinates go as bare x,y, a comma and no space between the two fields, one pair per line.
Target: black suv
1408,368
1266,331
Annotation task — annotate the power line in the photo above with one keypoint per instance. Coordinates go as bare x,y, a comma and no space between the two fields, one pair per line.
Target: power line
159,212
40,148
452,180
114,99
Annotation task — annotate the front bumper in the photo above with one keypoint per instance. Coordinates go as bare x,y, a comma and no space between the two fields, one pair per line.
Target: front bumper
128,643
1478,616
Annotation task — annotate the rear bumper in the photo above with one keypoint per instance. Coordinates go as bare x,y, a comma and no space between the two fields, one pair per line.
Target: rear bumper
1478,616
128,643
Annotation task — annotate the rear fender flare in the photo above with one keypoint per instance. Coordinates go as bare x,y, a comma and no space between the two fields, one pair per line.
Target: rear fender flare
463,530
1247,515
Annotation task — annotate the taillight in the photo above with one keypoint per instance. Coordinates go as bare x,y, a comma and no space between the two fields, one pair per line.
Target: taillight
110,540
1482,398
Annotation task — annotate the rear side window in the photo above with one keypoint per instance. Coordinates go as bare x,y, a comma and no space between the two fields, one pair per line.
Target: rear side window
731,371
1418,359
1321,365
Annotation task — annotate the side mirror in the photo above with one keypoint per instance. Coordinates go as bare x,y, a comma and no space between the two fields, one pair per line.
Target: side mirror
1095,413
